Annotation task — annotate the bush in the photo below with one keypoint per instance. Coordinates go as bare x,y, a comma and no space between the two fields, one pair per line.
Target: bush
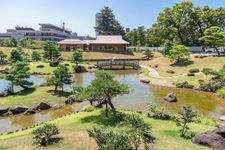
196,70
40,66
184,85
88,108
170,71
43,135
221,92
110,140
190,74
158,112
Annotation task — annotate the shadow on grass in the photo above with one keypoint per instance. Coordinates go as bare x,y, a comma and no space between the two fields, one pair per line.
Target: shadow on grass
25,92
101,119
60,93
185,64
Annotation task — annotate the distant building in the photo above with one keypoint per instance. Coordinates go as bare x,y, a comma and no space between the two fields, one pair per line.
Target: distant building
46,32
101,43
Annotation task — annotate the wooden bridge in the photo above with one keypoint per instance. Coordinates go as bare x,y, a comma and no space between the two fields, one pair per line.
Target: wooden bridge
123,63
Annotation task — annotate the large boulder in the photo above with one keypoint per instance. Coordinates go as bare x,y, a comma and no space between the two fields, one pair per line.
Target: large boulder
18,109
3,110
4,94
171,97
145,81
70,101
30,110
212,139
43,106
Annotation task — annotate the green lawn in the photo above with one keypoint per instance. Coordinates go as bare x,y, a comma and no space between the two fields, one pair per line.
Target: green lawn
73,132
33,97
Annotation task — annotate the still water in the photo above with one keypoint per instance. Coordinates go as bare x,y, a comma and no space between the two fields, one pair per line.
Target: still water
205,103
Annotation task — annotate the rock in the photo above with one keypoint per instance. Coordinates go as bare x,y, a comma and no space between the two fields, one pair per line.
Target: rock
70,101
59,105
4,94
212,139
3,110
222,118
171,97
78,69
18,109
31,110
43,106
145,81
54,63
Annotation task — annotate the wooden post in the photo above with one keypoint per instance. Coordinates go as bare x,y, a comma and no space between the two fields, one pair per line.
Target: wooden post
124,67
111,64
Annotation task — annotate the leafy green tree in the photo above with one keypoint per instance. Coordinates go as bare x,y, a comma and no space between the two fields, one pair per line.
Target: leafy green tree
77,56
18,73
106,23
36,56
214,37
137,37
8,42
179,53
43,135
2,56
109,140
104,86
168,45
16,55
186,116
148,54
185,23
51,51
60,77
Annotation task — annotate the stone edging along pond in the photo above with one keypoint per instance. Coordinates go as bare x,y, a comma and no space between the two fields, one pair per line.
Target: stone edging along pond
4,111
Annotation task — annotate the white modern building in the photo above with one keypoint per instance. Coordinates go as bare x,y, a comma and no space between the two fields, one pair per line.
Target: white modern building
46,32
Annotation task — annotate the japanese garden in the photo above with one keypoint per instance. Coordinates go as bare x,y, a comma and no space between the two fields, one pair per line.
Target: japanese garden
157,87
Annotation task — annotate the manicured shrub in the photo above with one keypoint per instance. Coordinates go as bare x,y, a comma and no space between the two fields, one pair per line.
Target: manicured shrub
40,66
170,71
88,108
184,84
43,135
195,70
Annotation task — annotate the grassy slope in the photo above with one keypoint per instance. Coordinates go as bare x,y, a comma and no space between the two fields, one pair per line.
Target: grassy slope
73,131
33,97
164,64
200,63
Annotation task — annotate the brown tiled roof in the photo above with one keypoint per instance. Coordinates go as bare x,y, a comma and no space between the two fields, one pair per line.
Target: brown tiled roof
71,41
103,39
109,39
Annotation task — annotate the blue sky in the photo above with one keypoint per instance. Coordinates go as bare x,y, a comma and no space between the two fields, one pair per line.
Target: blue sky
79,15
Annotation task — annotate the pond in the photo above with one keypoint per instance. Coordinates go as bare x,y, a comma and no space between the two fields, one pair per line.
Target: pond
205,103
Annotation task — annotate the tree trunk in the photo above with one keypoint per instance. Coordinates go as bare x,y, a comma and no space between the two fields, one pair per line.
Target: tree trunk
218,52
106,109
56,86
111,105
91,102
